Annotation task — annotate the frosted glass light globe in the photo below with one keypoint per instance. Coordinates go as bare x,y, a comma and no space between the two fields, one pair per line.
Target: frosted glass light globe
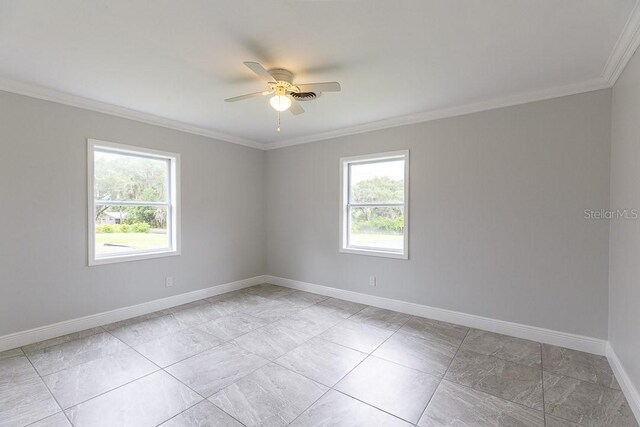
280,102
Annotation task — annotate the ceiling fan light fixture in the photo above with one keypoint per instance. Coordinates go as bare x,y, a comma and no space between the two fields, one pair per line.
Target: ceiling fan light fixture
280,102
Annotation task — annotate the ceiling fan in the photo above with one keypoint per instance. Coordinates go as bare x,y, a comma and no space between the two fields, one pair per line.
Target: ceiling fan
285,94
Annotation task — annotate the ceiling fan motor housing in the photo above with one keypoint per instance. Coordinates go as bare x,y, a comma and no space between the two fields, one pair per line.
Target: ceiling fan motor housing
282,75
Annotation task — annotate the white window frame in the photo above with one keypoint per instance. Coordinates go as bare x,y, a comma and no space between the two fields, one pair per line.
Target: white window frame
345,218
173,205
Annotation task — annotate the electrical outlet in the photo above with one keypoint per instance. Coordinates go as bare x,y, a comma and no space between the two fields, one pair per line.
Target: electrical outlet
168,282
372,281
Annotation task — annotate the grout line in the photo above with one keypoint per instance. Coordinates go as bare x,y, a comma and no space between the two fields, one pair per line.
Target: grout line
230,341
49,416
152,316
544,407
582,379
268,361
62,343
350,371
129,382
135,350
113,389
375,407
445,373
196,404
50,393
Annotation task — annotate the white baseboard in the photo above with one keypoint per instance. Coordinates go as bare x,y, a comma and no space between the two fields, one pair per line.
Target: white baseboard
34,335
629,390
547,336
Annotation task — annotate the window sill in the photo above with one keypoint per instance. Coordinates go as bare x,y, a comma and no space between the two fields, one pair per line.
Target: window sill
132,257
370,252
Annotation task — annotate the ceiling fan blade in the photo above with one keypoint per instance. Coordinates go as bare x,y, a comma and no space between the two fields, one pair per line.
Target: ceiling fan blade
260,71
320,87
247,96
295,107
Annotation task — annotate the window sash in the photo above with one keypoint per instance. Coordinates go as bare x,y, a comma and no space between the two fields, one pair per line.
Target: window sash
124,152
347,204
132,252
371,162
375,205
99,202
171,202
371,248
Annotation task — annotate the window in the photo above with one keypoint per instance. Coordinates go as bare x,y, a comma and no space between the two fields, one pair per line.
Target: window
374,199
133,203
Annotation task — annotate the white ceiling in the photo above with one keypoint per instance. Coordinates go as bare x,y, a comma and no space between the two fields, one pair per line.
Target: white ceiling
178,60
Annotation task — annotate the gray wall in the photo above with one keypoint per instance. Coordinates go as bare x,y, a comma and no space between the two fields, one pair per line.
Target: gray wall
624,264
497,204
44,276
497,201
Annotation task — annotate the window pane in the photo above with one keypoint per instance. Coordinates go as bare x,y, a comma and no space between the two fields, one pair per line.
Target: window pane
122,177
125,229
377,227
380,182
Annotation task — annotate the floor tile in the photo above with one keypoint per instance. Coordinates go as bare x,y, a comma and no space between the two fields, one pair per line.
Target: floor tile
342,307
322,361
83,382
231,302
313,320
338,410
272,310
226,296
269,396
11,353
23,396
357,335
504,347
272,341
57,420
585,403
263,353
455,405
243,302
434,330
510,381
145,402
552,421
432,357
214,369
579,365
381,318
398,390
126,322
62,356
148,330
204,414
302,299
196,315
229,327
187,305
62,339
267,290
178,346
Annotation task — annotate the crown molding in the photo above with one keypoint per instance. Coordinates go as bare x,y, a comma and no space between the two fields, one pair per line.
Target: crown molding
625,47
40,92
491,104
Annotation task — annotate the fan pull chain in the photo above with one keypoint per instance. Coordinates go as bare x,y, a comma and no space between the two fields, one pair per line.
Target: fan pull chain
278,128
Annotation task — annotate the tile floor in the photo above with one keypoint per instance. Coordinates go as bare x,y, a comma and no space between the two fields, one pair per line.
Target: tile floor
272,356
